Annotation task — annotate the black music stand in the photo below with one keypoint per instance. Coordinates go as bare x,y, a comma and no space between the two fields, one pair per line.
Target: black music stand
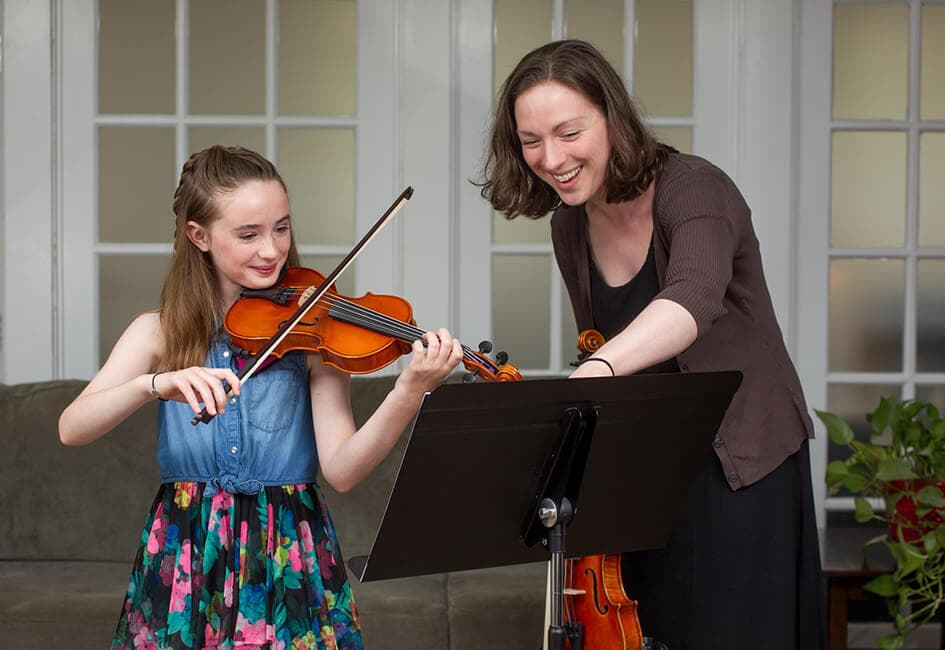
491,469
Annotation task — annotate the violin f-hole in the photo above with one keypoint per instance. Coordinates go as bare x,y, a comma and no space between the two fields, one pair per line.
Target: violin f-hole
606,608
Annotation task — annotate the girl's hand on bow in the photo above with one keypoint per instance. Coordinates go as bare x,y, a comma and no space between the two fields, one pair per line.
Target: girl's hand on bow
197,386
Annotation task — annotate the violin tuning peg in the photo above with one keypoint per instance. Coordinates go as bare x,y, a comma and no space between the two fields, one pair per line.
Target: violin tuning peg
485,347
501,358
469,377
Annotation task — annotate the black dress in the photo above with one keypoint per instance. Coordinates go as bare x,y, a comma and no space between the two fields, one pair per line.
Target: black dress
742,568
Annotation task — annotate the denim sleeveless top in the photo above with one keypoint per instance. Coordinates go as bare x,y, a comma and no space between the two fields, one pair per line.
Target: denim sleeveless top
265,437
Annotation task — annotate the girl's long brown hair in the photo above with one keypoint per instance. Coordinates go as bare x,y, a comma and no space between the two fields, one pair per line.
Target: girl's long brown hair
190,300
635,154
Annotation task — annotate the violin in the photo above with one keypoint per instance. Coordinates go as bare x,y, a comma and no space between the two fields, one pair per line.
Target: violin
354,335
599,614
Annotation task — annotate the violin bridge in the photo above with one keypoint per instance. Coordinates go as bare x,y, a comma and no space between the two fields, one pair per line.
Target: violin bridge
568,591
305,294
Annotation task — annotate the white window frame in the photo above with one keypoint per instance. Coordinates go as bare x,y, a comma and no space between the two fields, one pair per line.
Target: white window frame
77,321
814,222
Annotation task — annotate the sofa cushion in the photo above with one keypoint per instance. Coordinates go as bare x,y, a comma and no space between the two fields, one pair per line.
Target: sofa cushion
500,608
39,600
74,503
404,613
357,513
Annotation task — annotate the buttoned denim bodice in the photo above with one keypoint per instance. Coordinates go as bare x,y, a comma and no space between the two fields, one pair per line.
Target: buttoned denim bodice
265,436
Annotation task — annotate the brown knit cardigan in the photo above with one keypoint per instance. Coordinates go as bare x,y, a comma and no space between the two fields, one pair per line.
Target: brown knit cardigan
708,261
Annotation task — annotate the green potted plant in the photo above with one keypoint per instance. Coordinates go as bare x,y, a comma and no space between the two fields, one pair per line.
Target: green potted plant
903,465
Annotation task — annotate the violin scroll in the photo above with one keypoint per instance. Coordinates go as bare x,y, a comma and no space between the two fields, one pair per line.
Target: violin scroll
481,367
588,342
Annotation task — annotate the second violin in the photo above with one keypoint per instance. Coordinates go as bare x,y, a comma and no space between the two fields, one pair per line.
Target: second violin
594,591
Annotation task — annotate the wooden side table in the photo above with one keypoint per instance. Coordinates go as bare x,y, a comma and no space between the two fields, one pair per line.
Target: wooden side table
847,568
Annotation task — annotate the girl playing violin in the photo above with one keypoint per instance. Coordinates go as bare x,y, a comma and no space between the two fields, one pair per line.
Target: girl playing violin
239,548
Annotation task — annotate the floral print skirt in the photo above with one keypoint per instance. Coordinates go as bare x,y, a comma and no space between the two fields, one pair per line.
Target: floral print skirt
242,571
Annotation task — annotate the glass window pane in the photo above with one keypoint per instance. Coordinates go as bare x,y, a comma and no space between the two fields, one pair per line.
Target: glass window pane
227,57
599,22
868,193
569,333
136,56
662,59
677,136
135,191
852,403
325,264
520,229
128,285
870,61
932,189
930,344
318,167
932,393
932,66
201,137
317,48
866,315
521,308
520,27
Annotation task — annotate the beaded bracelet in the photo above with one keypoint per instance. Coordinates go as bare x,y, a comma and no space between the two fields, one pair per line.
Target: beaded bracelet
603,361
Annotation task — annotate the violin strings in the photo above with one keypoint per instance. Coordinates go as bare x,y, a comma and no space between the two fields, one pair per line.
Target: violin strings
376,321
383,323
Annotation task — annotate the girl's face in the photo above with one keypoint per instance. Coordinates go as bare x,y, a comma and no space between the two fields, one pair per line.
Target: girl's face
564,140
250,240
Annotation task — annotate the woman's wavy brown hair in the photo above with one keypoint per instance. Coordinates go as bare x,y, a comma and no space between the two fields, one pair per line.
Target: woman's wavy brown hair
191,310
635,153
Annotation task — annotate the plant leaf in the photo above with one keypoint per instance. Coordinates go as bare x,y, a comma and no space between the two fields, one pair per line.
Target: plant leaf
884,585
908,558
836,471
940,535
930,543
881,417
854,483
839,431
931,495
864,511
892,469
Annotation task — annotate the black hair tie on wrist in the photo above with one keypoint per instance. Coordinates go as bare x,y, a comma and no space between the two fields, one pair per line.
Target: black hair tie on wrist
603,361
154,390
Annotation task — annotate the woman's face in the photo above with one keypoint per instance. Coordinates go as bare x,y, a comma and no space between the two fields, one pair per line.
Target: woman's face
564,140
249,242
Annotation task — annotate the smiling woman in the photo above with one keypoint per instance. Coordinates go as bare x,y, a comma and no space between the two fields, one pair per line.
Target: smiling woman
564,139
658,253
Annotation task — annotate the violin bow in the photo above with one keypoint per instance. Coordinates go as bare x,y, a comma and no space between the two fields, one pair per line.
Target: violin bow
250,369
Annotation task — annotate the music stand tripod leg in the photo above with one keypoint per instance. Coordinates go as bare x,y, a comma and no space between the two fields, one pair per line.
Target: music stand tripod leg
557,517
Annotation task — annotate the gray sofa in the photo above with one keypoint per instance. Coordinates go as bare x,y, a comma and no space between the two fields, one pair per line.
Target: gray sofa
70,520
